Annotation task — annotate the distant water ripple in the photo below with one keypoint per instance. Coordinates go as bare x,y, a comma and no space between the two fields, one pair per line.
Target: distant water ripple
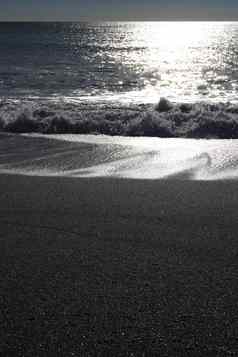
129,62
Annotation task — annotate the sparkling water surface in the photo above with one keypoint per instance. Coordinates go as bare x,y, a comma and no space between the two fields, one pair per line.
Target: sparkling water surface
126,62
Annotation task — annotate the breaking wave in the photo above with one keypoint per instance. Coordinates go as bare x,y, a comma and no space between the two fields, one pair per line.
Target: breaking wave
166,119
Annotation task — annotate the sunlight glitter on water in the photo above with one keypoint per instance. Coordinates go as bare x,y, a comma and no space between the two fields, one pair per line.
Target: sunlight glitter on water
187,61
122,62
182,61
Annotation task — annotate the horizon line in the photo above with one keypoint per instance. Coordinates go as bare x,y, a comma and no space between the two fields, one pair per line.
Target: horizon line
120,20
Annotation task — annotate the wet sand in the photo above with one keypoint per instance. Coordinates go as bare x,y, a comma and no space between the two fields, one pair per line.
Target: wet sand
113,267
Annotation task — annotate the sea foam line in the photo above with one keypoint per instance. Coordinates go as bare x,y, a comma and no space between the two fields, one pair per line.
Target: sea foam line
198,120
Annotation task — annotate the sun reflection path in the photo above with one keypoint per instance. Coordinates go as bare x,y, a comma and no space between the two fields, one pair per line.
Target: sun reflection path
178,60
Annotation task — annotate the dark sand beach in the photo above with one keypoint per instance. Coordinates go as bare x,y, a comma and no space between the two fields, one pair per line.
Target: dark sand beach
108,267
119,203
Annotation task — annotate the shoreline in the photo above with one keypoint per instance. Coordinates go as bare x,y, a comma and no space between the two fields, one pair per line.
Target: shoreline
74,155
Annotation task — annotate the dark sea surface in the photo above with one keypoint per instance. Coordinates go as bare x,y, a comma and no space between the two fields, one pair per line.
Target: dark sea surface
111,73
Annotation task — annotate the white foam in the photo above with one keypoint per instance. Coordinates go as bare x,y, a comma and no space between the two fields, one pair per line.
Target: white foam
123,157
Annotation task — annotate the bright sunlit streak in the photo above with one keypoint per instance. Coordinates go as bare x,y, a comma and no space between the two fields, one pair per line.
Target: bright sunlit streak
172,34
175,59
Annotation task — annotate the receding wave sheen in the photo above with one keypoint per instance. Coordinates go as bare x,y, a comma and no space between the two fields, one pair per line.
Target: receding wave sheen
196,120
91,156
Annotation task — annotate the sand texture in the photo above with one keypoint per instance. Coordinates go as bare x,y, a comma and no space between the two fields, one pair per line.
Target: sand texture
113,267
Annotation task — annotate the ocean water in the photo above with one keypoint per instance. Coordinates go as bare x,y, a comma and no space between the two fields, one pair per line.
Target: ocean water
107,78
130,61
130,81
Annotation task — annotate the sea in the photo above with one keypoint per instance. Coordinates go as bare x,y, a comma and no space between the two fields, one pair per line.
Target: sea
101,84
126,62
